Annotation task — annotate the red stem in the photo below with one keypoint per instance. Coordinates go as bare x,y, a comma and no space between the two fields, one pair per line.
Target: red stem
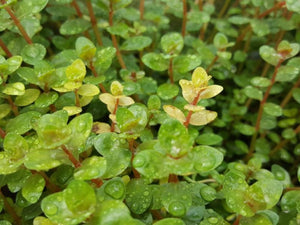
10,210
80,15
71,157
274,8
77,101
142,8
50,186
18,24
173,178
93,69
188,117
113,37
112,128
212,63
184,18
170,71
290,94
132,149
14,108
237,221
5,49
2,133
94,22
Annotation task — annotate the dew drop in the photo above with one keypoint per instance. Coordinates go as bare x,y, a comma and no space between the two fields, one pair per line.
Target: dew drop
146,193
138,161
177,208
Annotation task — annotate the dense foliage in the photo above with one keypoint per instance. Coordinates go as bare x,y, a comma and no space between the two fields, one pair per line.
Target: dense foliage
165,112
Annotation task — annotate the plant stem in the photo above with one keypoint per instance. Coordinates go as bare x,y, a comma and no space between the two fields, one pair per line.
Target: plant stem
243,34
274,8
2,133
142,8
184,18
50,186
237,220
212,63
93,69
289,94
71,157
170,71
173,178
132,149
260,111
113,37
202,31
112,128
200,5
190,113
10,210
5,49
18,24
291,189
80,15
94,22
14,108
224,8
77,101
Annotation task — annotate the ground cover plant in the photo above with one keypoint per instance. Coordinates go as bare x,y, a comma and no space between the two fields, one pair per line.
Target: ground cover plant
165,112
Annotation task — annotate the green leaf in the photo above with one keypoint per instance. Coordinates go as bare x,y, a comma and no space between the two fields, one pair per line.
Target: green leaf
206,158
69,208
4,110
32,53
33,188
16,181
287,49
255,220
272,109
22,123
281,174
104,59
120,29
209,139
15,145
13,63
74,26
220,41
176,198
76,71
174,139
290,200
167,91
138,196
296,94
186,63
260,28
115,151
238,20
172,43
36,5
269,55
136,43
46,99
168,221
29,97
287,73
42,159
260,82
244,129
254,93
17,88
85,48
91,168
293,5
155,61
113,189
288,133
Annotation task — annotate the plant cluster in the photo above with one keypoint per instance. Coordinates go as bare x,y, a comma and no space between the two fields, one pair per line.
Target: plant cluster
165,112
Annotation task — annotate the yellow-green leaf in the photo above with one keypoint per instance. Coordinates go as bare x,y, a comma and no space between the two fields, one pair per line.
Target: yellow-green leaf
188,90
125,101
88,90
116,88
200,77
202,117
29,97
174,112
4,110
76,71
17,88
72,110
211,91
193,108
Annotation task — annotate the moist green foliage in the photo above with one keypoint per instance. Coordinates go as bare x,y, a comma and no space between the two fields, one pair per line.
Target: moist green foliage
141,112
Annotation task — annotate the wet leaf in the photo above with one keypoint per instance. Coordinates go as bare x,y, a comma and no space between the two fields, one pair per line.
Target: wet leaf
269,55
17,88
203,117
172,43
32,53
136,43
46,99
185,63
85,48
33,188
209,139
91,168
156,61
74,26
252,92
174,112
29,97
4,110
167,221
272,109
287,73
167,91
88,90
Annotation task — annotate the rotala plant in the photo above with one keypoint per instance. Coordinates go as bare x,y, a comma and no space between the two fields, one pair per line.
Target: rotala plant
141,112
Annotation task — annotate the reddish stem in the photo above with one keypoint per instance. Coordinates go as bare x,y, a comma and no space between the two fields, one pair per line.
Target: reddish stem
71,157
98,182
50,186
243,34
237,220
274,8
132,149
77,100
5,49
113,37
200,5
2,133
170,71
93,69
10,210
80,15
189,116
112,128
142,8
184,18
18,24
94,22
290,94
14,108
212,63
173,178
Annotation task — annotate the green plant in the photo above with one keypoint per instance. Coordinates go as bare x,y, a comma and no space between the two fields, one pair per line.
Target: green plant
149,112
